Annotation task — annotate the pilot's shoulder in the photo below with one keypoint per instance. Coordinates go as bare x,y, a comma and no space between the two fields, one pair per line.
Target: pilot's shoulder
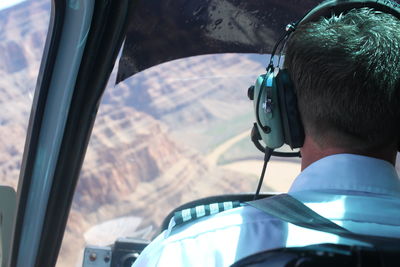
191,222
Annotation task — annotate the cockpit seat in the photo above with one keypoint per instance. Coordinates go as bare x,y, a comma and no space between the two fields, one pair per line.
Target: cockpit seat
327,255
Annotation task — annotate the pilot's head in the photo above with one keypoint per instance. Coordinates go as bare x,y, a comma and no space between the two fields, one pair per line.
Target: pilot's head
346,71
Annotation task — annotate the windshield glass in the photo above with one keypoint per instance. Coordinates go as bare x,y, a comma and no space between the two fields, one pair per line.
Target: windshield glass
23,30
170,134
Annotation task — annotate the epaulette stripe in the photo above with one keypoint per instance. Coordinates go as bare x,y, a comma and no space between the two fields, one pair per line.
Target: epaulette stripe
186,215
214,208
228,205
200,211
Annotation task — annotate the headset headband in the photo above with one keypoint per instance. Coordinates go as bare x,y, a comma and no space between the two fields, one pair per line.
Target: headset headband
326,9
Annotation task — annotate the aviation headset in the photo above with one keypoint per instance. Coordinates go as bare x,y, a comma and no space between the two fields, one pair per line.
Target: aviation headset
273,95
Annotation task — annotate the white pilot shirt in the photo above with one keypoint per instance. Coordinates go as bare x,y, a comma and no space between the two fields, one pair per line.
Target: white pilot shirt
359,193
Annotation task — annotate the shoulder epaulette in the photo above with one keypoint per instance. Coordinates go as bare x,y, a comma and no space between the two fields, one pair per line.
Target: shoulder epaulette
187,215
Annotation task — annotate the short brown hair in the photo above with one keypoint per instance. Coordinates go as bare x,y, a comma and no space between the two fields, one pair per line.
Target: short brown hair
346,71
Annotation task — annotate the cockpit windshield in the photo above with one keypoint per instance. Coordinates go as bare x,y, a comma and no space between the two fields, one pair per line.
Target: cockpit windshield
168,135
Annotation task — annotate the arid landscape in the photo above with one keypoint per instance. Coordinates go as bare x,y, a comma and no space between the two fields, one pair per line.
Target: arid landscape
168,135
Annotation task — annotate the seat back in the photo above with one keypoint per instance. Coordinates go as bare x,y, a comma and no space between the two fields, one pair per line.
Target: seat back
327,255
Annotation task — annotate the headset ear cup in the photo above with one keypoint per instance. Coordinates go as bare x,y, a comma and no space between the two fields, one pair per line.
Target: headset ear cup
266,107
291,120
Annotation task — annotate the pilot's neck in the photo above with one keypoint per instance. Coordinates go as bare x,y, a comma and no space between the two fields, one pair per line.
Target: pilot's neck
311,152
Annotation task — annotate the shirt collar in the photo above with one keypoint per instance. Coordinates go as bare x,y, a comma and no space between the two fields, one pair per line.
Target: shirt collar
349,172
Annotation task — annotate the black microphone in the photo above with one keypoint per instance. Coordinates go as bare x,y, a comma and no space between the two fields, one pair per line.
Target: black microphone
256,137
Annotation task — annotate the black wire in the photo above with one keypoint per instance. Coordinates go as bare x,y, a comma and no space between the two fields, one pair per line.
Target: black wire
267,156
282,49
271,60
287,154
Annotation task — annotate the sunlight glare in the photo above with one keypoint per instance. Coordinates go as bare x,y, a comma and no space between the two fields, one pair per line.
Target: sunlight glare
9,3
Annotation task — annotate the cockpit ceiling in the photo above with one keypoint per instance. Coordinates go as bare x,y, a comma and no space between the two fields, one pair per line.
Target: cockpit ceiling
160,31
